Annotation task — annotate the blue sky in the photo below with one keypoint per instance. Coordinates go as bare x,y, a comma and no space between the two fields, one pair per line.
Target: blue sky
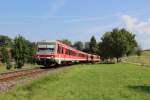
74,19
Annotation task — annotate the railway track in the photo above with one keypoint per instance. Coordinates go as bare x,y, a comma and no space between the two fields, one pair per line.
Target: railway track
5,77
11,79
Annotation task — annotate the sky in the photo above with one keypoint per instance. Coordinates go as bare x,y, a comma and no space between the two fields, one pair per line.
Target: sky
76,20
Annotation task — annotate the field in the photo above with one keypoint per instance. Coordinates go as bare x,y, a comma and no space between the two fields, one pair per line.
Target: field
87,82
146,53
144,59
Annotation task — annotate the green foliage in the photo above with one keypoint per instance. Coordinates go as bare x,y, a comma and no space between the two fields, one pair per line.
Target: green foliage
117,43
20,51
139,51
4,54
5,44
31,50
8,66
105,46
67,42
86,47
23,51
5,57
93,45
5,40
78,45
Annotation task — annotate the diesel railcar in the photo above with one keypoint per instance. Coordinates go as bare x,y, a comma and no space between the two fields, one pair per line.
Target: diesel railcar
55,52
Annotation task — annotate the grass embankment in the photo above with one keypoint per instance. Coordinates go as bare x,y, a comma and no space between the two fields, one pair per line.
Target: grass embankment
87,82
144,59
26,66
146,53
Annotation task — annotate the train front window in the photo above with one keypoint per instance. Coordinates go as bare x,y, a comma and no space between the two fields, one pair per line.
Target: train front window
46,48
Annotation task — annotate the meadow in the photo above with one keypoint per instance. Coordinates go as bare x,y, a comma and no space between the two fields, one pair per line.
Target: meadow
144,59
146,53
87,82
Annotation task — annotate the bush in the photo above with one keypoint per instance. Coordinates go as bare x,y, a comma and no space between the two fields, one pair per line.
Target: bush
8,66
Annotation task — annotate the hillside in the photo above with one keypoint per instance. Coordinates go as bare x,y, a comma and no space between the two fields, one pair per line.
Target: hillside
146,53
87,82
144,59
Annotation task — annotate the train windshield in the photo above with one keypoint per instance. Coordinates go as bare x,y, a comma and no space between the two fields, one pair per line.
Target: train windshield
46,47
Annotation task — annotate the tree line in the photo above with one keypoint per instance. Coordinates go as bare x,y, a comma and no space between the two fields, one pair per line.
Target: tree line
114,44
19,50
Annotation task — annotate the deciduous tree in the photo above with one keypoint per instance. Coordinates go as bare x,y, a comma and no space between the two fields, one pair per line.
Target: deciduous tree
66,41
5,57
20,51
117,43
78,45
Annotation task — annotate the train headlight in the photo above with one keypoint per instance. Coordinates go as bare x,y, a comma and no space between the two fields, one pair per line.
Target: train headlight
52,56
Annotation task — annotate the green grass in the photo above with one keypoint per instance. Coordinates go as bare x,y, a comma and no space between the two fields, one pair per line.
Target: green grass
146,53
87,82
144,59
26,66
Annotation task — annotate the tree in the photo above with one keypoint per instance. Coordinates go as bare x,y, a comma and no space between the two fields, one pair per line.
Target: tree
117,43
31,52
132,43
105,47
86,47
138,51
20,51
67,42
93,45
5,40
5,57
78,45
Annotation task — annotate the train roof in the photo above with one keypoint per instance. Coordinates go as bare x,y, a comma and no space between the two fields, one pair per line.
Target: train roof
46,41
65,45
74,49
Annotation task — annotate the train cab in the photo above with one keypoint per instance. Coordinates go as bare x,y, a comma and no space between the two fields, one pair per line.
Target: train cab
46,51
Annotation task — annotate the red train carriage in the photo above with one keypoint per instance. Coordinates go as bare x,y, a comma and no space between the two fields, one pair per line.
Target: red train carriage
56,52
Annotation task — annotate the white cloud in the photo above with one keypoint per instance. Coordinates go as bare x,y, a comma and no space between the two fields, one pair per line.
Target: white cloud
135,25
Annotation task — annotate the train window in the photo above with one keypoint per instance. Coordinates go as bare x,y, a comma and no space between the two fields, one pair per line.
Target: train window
45,49
70,52
59,49
62,50
81,55
73,53
67,52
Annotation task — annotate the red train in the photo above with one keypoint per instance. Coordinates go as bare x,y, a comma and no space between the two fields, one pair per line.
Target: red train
56,52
